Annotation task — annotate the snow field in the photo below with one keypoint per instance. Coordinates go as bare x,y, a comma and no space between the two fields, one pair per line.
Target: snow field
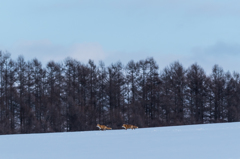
207,141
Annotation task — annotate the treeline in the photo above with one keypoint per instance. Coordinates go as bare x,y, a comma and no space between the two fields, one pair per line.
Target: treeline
72,96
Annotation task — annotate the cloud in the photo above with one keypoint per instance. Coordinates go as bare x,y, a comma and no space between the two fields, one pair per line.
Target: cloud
45,51
224,54
220,48
86,51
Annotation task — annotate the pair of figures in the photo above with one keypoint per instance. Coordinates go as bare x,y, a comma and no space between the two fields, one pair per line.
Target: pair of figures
126,126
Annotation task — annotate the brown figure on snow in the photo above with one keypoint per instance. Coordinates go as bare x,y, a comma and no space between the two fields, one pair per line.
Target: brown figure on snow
128,126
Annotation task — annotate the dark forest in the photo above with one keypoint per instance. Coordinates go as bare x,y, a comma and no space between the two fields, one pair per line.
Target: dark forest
73,96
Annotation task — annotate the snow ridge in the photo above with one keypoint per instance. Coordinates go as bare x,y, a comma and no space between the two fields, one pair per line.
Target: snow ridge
207,141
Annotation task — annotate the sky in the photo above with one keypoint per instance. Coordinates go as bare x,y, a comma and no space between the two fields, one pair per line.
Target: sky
200,31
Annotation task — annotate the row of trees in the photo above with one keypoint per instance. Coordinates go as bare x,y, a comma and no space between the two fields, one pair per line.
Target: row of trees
72,96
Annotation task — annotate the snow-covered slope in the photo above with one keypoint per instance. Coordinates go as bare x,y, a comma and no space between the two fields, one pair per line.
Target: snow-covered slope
209,141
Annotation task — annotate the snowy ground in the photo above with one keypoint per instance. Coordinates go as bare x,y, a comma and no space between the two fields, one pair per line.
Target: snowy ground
209,141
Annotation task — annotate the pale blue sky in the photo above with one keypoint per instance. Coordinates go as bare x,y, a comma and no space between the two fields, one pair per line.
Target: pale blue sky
202,31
